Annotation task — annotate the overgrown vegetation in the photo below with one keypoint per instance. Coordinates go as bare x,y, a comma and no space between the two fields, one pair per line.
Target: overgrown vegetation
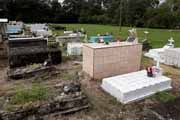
25,95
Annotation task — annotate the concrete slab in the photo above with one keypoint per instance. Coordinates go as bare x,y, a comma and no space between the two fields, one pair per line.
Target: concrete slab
134,86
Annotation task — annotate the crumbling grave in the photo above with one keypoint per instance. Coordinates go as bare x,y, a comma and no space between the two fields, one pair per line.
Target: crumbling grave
65,103
3,25
25,51
28,71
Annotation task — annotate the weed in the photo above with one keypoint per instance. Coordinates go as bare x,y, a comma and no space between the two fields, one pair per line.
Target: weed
167,73
25,95
66,76
146,62
165,97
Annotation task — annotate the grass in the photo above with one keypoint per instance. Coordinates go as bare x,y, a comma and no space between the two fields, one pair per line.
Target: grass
165,97
158,37
25,95
146,62
68,76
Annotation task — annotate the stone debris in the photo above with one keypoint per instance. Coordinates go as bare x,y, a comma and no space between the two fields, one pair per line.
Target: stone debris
28,71
61,105
72,87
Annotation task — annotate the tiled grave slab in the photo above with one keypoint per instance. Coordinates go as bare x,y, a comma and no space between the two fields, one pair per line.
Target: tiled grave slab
134,86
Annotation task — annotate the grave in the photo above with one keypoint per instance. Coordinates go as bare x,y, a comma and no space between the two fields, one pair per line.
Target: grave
153,53
135,86
40,29
3,35
101,61
20,36
74,48
25,51
3,28
78,32
172,57
15,27
44,33
66,39
28,71
96,39
35,27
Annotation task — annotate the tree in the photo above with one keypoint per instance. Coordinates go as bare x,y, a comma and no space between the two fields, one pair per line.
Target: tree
140,13
165,16
57,12
73,9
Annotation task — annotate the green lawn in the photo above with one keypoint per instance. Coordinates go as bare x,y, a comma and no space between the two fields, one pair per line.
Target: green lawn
158,37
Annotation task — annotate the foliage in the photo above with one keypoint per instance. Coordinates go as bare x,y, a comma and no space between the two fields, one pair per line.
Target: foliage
139,13
25,95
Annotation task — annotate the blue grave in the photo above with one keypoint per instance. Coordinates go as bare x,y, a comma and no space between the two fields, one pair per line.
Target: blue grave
95,39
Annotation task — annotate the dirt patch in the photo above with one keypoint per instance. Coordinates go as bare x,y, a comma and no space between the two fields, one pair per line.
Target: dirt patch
3,68
169,110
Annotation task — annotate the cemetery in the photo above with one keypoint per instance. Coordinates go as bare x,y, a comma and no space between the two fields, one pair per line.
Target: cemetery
48,75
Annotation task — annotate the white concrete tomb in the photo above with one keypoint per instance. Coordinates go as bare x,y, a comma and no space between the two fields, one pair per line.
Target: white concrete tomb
159,52
134,86
74,48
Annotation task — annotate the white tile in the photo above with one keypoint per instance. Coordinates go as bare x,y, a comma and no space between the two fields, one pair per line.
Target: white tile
134,86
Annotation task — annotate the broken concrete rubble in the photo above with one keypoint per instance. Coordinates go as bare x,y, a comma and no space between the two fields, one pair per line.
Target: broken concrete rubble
62,104
28,71
72,87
